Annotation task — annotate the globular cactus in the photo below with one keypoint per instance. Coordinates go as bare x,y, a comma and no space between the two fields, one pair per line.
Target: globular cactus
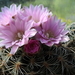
49,61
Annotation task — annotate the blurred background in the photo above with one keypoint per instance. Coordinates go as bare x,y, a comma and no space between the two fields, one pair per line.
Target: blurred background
63,9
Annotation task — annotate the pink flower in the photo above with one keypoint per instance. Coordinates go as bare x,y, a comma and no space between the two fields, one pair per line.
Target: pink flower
16,34
38,14
52,32
7,14
32,47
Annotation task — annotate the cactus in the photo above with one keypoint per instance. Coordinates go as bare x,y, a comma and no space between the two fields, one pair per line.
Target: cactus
71,34
55,60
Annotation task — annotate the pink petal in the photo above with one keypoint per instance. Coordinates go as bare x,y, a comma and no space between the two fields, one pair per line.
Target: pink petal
65,39
31,33
14,49
2,43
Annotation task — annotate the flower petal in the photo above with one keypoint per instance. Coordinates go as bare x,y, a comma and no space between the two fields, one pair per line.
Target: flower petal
14,49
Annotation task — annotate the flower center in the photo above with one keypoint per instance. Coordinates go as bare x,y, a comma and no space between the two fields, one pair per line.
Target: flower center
49,35
19,35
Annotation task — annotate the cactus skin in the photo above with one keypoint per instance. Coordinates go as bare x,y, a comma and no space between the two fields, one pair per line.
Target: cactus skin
71,34
55,60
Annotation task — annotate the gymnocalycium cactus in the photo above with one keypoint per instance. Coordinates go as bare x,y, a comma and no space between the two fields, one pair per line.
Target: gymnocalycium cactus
31,42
